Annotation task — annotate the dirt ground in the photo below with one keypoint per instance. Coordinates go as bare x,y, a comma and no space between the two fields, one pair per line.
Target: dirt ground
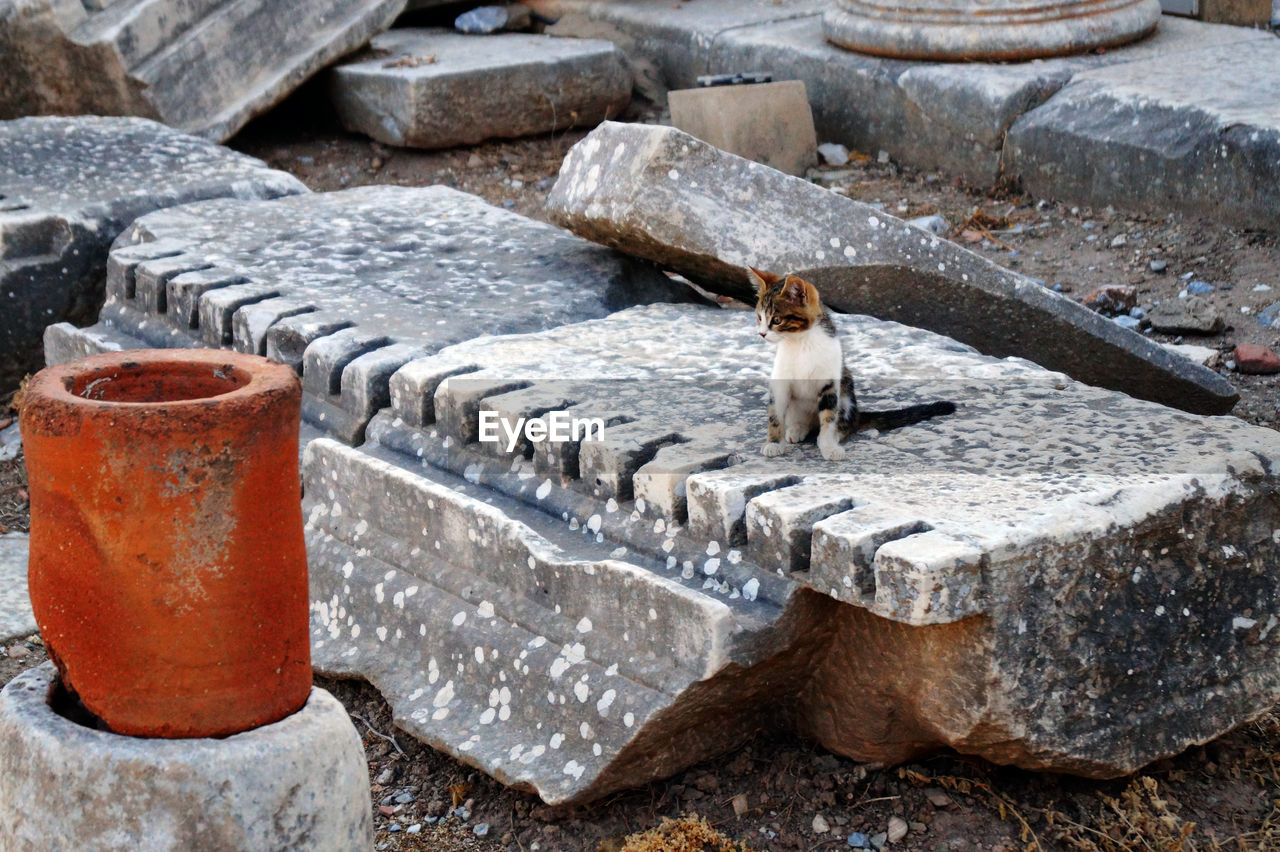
778,791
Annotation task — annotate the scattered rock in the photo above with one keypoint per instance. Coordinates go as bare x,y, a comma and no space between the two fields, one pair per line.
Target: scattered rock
1119,240
934,224
1130,322
480,829
1270,316
740,804
820,824
1257,360
1199,288
898,829
17,652
833,153
858,840
1113,299
937,797
1158,266
1199,354
484,20
1186,316
878,840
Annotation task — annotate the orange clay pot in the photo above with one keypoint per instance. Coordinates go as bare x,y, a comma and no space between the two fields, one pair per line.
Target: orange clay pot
168,572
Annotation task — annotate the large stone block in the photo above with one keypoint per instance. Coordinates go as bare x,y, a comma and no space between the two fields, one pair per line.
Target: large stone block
203,66
348,286
1057,576
68,187
1197,131
300,783
439,89
663,195
16,617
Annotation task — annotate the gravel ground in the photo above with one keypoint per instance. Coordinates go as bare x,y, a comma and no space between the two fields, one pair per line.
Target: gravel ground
778,792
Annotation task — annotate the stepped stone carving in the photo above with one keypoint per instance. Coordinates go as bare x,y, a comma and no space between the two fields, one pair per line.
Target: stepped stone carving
348,286
663,195
203,66
1057,576
68,187
434,89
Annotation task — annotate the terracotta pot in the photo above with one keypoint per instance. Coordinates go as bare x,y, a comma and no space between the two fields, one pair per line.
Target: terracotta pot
168,572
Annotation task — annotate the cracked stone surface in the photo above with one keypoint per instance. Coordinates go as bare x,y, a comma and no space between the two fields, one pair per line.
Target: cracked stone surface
440,89
576,617
203,66
68,187
663,195
348,286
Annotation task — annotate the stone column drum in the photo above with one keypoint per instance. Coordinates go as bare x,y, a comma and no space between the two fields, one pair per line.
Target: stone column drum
986,30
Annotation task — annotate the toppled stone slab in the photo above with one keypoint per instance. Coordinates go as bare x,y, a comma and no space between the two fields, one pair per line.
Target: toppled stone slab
348,286
439,89
1037,579
68,187
298,783
16,617
709,215
205,67
1196,131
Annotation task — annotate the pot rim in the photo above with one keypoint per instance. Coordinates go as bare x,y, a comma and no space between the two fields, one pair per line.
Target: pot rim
264,376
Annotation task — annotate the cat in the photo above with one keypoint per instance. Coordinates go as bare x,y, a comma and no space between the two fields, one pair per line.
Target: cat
811,389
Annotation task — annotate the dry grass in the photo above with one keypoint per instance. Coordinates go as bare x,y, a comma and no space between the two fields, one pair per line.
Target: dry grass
689,833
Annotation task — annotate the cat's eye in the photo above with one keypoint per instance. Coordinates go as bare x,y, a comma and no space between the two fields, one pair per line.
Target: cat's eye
774,322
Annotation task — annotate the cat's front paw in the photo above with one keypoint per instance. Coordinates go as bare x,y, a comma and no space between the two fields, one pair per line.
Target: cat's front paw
833,452
795,435
773,449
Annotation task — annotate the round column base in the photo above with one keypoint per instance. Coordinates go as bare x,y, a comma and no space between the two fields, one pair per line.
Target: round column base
300,783
1012,31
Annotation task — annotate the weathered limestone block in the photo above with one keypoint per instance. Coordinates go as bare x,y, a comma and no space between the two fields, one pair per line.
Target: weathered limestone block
203,66
68,187
1197,132
16,617
1003,30
440,89
300,783
661,194
348,286
1057,576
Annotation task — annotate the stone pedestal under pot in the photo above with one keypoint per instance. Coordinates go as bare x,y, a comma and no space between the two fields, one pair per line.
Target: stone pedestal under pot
300,783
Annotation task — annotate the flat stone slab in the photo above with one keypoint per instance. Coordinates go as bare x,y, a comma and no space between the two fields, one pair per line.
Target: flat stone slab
1197,131
709,215
577,617
300,783
68,187
206,66
16,617
348,286
439,89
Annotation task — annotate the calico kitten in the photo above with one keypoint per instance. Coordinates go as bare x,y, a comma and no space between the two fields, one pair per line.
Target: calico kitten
811,388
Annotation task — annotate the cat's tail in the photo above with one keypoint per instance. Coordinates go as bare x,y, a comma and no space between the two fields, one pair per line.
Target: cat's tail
896,418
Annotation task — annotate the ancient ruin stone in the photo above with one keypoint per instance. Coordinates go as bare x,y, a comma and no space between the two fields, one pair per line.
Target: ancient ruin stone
68,187
988,31
434,89
16,617
204,67
1038,579
300,783
663,195
1160,135
348,286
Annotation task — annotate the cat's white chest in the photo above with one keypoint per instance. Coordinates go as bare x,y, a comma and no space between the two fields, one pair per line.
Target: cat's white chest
814,356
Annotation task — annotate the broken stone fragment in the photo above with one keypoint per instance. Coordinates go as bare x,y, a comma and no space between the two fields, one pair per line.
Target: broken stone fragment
1192,315
1255,359
582,616
438,89
665,196
68,187
203,67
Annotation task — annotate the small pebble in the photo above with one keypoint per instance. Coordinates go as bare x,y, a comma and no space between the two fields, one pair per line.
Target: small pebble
878,840
393,828
1119,240
385,776
509,204
882,157
1158,266
833,153
1130,322
820,825
897,829
481,829
404,798
937,797
740,804
462,814
858,840
543,184
17,652
413,829
1199,288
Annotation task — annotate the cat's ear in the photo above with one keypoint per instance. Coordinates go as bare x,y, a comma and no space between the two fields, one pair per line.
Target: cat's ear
799,291
762,279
